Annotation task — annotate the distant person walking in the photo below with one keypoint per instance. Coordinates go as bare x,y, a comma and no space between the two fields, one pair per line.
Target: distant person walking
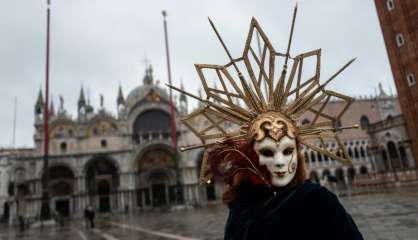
89,215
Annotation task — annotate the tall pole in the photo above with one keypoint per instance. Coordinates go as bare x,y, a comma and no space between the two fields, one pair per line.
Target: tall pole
179,191
45,211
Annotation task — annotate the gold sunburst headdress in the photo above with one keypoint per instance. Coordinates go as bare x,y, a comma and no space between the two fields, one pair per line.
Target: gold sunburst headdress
261,100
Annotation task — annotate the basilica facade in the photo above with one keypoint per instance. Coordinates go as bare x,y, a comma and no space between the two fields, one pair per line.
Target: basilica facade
114,163
127,161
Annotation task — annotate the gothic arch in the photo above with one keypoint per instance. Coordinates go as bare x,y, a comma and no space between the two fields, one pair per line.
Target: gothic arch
61,180
146,159
362,152
350,152
403,156
101,166
313,157
356,153
393,154
364,122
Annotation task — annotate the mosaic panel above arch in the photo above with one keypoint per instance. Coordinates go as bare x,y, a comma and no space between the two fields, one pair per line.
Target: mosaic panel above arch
155,158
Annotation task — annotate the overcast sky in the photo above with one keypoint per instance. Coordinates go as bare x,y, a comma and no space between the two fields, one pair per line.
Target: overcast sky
101,43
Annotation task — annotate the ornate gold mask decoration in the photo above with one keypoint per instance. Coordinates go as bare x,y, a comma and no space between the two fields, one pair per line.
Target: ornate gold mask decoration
271,124
259,99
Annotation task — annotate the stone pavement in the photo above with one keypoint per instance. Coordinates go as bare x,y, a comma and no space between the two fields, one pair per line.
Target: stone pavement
385,215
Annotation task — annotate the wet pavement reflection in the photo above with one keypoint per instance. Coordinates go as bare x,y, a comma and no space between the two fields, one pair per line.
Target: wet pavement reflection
384,214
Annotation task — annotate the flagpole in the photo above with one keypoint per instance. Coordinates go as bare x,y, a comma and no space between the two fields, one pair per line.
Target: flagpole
45,209
173,116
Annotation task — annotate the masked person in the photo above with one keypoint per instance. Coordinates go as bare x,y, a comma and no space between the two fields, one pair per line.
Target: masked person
253,136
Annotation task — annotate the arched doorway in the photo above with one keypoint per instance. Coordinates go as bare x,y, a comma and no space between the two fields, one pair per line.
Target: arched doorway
61,187
393,155
159,188
156,185
103,191
403,156
102,181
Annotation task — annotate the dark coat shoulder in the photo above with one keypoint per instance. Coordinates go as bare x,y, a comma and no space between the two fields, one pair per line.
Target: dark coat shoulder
308,211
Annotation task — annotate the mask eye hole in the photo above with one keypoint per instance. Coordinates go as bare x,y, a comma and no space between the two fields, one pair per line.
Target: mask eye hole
288,151
266,152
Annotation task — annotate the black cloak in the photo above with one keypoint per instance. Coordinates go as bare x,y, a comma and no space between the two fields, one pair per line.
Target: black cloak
306,211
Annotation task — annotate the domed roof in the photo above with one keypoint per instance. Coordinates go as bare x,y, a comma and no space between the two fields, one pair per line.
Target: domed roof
140,92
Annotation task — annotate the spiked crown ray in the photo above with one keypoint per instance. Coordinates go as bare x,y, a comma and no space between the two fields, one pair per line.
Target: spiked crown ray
241,99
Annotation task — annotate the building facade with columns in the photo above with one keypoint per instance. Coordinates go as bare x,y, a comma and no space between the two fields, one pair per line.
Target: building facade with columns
380,144
113,162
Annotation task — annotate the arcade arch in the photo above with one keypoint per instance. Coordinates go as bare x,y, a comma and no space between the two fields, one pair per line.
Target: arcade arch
155,182
61,188
102,181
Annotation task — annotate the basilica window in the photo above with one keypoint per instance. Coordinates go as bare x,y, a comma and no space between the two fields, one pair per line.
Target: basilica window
313,158
356,153
103,143
362,153
411,79
400,41
319,157
350,153
63,147
364,122
390,4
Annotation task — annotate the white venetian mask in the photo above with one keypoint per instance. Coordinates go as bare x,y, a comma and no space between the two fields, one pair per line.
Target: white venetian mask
280,158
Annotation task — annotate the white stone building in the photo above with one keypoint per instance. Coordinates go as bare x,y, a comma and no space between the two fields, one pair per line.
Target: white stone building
115,163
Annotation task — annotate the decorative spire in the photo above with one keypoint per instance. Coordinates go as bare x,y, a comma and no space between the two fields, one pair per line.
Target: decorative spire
148,78
182,95
81,99
40,99
101,101
120,100
39,102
